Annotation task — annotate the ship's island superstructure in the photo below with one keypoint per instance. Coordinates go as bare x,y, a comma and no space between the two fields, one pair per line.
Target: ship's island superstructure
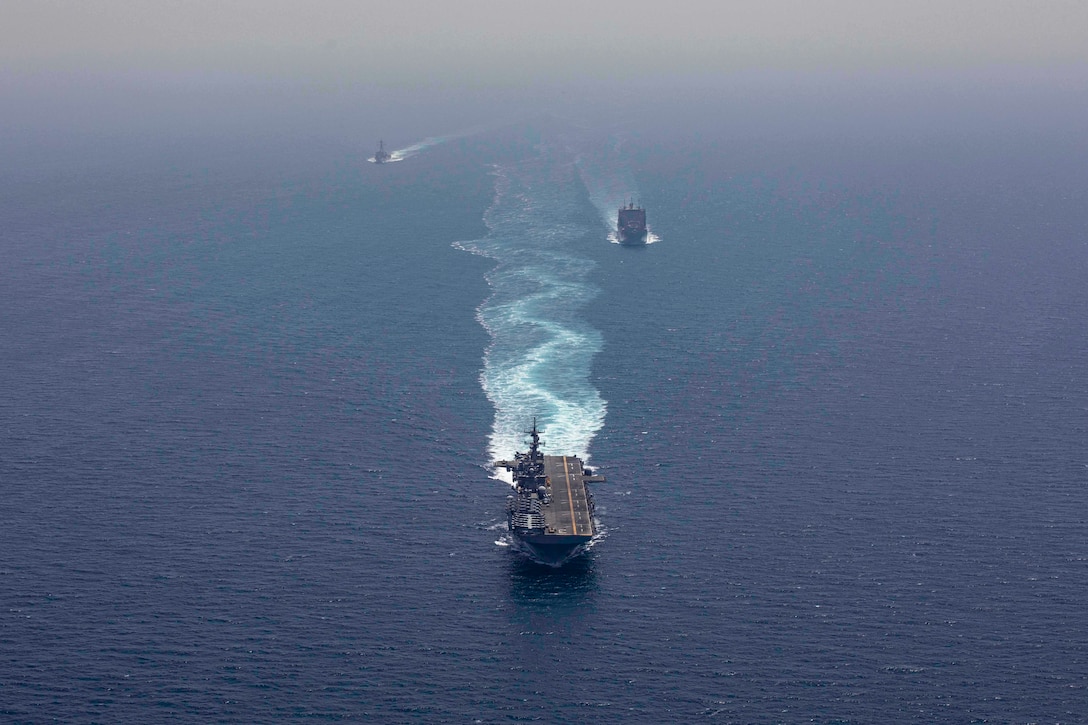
551,511
381,155
631,224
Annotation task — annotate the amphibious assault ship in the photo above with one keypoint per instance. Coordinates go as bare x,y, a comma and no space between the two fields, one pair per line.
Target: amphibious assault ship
551,511
631,224
381,156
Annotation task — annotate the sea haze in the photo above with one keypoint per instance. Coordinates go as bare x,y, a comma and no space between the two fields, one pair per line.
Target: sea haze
253,385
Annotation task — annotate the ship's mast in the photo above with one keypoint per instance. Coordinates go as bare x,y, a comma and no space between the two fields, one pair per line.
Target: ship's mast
532,470
534,448
528,468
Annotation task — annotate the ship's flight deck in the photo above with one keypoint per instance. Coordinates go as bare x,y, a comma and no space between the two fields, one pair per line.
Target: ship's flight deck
568,514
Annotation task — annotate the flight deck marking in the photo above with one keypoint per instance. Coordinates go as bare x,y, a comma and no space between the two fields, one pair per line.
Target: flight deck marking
570,497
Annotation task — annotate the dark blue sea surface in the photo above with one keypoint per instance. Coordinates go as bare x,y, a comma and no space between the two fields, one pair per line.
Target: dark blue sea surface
251,395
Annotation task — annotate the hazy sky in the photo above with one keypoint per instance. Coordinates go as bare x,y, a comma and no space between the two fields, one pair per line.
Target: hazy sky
513,40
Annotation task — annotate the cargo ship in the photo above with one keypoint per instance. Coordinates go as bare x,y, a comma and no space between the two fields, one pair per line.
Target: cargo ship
381,156
631,224
550,513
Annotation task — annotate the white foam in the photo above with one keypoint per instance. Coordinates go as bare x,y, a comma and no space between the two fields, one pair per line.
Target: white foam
409,151
540,355
651,238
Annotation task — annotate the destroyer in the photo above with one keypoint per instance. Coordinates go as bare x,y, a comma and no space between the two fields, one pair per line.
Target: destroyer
551,511
381,156
631,224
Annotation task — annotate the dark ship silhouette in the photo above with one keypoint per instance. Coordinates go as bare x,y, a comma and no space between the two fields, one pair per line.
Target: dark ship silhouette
382,155
551,511
631,224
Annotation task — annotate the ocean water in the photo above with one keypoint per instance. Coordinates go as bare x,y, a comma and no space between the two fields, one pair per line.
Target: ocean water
251,393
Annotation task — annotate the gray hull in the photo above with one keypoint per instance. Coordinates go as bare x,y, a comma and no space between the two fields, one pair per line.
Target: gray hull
547,550
551,511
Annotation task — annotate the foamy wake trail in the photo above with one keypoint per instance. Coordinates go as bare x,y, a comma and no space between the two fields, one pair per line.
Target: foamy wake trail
538,361
409,151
